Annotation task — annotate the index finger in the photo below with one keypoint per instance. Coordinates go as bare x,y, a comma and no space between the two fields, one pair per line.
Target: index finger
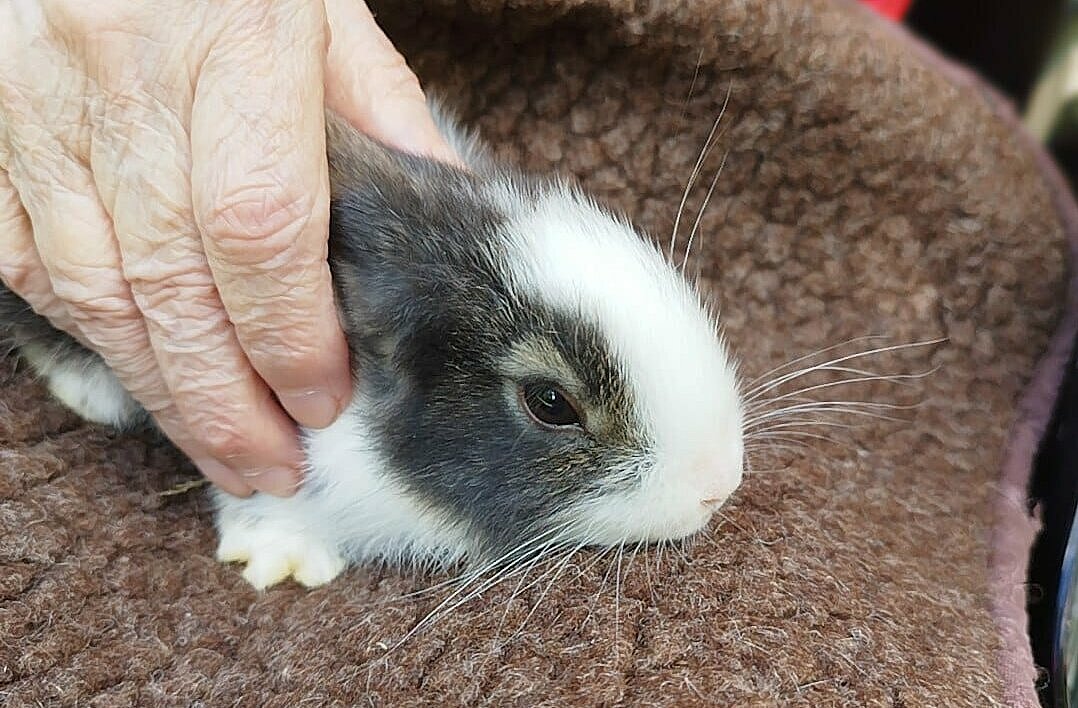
261,197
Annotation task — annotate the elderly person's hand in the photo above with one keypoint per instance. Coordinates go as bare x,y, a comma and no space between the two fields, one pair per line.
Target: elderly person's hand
164,198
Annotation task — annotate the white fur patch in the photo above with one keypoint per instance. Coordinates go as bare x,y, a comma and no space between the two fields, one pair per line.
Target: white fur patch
348,509
579,259
89,388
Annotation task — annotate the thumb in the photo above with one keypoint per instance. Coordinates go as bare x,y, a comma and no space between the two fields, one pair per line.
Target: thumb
369,84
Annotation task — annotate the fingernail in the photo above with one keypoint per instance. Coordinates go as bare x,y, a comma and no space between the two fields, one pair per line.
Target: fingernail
278,481
313,409
223,477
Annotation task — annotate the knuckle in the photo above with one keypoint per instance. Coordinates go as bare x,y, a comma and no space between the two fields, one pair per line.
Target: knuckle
188,289
94,298
258,226
289,333
223,437
111,325
275,358
218,408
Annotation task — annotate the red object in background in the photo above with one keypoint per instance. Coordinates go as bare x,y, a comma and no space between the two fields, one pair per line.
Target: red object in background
893,9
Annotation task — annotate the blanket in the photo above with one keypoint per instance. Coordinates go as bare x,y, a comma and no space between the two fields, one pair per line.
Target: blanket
856,185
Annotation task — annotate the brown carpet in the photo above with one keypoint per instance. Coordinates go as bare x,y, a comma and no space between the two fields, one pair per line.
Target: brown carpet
865,191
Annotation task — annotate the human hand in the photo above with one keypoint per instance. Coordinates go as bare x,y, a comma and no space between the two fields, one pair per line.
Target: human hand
164,198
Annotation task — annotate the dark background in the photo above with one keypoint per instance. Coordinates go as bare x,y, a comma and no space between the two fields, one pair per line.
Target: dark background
1006,41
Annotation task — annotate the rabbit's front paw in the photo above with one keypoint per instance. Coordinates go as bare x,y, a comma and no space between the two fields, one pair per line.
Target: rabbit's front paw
272,553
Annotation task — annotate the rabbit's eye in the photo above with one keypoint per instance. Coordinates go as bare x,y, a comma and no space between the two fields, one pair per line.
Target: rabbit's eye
549,405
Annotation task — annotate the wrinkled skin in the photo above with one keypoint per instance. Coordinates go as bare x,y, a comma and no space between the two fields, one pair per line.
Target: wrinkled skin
164,199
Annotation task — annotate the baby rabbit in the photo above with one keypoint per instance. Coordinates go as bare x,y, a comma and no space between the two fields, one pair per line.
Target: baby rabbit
528,369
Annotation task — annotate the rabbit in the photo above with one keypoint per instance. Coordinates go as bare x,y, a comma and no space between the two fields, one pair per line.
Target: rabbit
529,370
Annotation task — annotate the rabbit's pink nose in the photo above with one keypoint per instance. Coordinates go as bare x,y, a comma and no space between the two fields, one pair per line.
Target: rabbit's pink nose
717,483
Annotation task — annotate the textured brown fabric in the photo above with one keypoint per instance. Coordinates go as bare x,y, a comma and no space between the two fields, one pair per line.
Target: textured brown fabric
864,192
